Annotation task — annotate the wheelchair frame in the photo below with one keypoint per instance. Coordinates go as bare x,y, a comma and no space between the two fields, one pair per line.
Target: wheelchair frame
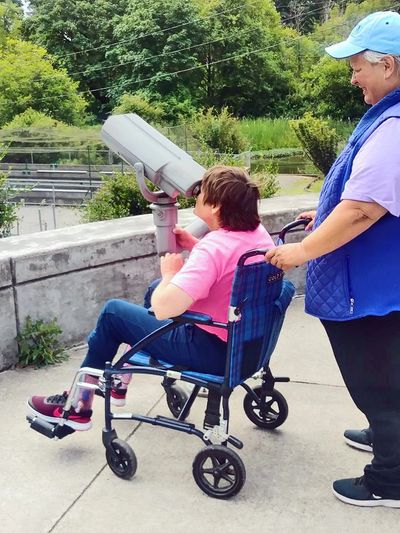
226,464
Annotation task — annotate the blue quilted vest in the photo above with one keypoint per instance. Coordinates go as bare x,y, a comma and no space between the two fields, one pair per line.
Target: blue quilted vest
362,277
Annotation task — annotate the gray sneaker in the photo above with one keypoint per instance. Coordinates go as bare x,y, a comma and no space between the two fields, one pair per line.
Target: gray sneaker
359,438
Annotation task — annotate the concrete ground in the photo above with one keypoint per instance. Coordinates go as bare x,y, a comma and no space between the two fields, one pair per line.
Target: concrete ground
66,486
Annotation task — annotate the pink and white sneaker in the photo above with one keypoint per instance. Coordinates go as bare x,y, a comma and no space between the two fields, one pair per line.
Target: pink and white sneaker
50,409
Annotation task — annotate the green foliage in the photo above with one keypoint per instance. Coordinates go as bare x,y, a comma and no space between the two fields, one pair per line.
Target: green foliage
8,209
140,104
31,118
255,80
10,20
148,61
118,197
208,158
330,93
48,135
219,131
338,25
29,80
79,33
39,343
267,134
178,108
267,179
320,142
247,73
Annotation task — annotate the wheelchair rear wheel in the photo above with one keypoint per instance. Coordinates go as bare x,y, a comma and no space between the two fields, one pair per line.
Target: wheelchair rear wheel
219,471
176,399
268,414
121,459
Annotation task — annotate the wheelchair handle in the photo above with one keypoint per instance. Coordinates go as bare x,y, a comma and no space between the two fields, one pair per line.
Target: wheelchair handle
289,227
243,258
281,236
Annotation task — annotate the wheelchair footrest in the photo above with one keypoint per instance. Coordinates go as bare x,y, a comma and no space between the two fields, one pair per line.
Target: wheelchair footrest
281,380
48,429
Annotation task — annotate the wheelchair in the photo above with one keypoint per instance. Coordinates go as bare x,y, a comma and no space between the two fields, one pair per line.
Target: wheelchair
260,297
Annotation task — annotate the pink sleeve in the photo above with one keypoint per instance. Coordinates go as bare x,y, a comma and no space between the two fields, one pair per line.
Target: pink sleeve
198,274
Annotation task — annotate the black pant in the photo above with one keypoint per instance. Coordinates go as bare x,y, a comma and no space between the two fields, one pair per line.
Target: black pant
367,351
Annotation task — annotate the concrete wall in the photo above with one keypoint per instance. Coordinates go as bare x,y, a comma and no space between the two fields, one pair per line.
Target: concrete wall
69,273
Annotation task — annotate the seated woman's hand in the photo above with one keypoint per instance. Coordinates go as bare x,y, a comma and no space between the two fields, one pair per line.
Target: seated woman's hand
310,215
184,239
170,264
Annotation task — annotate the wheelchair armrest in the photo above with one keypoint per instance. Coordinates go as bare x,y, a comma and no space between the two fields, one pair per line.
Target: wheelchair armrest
189,317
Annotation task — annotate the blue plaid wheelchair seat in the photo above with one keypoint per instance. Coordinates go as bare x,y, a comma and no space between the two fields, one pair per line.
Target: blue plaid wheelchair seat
259,299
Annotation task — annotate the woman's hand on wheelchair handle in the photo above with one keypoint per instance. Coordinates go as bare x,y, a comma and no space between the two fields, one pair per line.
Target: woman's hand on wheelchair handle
308,214
287,256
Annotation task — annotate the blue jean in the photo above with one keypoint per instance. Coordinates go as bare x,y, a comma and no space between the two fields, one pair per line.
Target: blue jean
186,345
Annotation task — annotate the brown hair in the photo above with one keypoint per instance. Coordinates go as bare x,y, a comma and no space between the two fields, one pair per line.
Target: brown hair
237,196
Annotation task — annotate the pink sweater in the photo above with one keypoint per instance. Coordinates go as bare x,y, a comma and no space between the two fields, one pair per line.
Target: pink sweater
207,275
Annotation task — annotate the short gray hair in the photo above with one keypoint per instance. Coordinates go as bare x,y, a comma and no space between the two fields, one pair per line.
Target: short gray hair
376,57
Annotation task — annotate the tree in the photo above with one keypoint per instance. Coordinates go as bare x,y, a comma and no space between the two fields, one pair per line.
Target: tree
299,14
119,196
28,79
11,16
343,17
330,93
320,142
218,131
139,103
80,35
156,40
245,64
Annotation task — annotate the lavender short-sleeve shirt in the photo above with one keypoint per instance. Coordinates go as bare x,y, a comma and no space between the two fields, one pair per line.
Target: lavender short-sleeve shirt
375,176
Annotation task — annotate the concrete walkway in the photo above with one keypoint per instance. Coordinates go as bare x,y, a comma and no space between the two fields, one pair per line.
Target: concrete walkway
66,486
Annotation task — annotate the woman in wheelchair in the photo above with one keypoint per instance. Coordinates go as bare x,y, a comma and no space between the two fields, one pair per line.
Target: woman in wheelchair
227,201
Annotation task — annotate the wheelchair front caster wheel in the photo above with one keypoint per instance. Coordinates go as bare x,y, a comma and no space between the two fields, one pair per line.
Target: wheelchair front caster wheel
121,459
219,471
176,399
269,413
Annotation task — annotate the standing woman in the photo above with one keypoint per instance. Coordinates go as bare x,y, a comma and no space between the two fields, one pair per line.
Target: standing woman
353,278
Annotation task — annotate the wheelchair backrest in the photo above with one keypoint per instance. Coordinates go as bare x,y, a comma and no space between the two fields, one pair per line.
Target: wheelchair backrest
258,304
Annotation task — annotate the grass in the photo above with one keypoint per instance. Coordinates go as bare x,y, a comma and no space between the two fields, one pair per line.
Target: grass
276,133
299,187
268,134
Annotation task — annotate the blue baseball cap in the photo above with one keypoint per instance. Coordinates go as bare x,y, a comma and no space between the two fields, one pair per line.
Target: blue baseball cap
379,32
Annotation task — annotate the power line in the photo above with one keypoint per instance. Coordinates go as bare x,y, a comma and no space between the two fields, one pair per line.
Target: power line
196,67
165,54
175,27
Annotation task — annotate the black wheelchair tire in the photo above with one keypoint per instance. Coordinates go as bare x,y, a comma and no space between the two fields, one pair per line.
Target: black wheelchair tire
176,399
224,464
121,459
266,416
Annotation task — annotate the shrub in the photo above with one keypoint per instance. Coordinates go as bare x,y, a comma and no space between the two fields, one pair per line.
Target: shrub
218,131
118,197
39,343
320,142
8,209
139,103
178,109
267,179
